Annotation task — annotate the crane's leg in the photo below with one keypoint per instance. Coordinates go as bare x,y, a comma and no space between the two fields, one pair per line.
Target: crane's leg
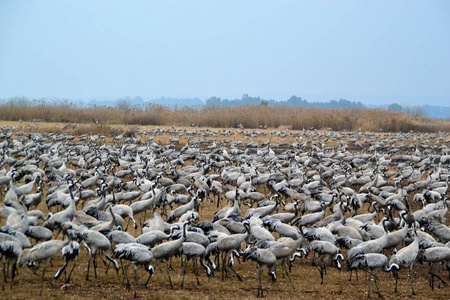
260,291
410,280
194,263
351,273
89,265
319,268
125,273
287,274
223,266
395,273
230,265
4,271
168,274
121,265
63,268
184,270
376,283
322,267
135,280
13,273
94,261
432,275
43,275
70,273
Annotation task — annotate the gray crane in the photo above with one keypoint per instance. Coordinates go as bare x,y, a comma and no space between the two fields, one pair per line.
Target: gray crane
310,219
405,258
70,253
93,241
152,237
371,246
193,251
372,262
435,255
264,258
10,248
166,250
120,237
282,253
41,252
58,220
325,250
179,211
227,246
137,254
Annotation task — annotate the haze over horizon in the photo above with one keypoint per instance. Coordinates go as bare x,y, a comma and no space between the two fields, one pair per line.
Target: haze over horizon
374,52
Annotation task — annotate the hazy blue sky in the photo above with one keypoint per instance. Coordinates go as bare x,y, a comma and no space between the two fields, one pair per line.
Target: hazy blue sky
369,51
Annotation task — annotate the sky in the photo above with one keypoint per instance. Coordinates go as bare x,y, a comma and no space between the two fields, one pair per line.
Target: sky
376,52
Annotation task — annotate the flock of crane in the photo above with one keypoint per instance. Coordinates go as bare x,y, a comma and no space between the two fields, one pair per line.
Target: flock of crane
350,200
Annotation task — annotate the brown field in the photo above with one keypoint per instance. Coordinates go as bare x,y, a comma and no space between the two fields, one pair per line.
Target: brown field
305,277
109,286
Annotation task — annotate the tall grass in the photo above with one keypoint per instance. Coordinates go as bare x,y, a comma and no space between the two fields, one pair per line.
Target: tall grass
250,116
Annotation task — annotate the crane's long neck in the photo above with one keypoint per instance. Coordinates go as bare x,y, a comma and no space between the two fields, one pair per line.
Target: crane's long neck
72,207
113,220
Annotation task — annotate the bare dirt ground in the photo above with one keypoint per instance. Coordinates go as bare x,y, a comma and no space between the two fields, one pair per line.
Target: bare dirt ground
305,277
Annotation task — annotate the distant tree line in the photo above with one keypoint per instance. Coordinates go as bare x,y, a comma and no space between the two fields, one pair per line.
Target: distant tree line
410,110
292,101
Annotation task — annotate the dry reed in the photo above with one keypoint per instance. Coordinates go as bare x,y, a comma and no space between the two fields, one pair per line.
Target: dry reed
250,116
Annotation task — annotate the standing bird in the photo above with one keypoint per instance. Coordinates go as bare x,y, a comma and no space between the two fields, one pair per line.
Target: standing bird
193,251
435,255
325,249
310,219
137,254
228,246
10,248
58,220
93,240
373,262
70,253
166,250
41,252
371,246
405,258
264,258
